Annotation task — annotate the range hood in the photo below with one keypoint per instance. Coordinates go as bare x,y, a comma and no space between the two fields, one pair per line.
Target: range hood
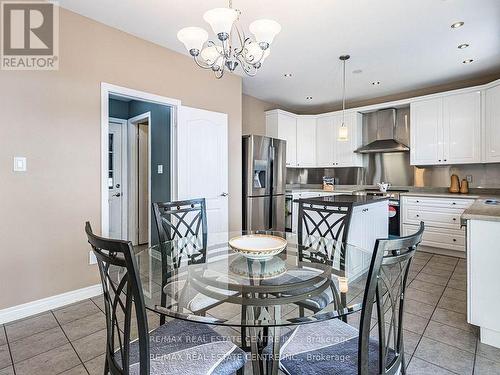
379,133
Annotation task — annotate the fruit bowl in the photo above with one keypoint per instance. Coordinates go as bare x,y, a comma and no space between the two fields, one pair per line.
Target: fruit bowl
258,246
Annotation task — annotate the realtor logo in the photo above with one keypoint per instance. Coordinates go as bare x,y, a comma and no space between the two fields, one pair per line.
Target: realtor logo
29,35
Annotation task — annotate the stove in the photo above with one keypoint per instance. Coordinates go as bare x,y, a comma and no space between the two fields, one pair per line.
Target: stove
393,195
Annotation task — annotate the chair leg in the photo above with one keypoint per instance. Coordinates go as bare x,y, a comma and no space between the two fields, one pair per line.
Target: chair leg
106,366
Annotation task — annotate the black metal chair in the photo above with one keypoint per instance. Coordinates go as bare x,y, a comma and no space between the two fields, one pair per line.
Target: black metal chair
192,347
186,223
322,232
335,347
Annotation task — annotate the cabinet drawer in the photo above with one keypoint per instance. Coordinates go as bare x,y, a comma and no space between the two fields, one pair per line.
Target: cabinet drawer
461,203
442,238
443,218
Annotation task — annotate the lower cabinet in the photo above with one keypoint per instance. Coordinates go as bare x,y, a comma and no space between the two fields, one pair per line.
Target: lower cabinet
441,216
368,223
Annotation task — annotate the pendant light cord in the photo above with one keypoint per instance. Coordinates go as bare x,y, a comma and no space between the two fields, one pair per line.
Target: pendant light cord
343,97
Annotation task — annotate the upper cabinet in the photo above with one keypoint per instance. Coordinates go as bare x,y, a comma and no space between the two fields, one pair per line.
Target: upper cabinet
306,141
492,125
284,126
446,130
312,140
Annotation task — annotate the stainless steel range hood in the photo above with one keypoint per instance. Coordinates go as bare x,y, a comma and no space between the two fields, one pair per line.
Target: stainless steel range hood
380,130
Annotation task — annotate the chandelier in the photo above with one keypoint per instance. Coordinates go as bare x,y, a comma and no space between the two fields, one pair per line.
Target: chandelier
232,48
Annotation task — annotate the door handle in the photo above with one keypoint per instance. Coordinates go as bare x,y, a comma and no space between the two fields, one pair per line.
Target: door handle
224,194
117,195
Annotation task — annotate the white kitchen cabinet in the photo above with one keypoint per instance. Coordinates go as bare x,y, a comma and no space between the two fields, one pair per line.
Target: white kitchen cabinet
446,130
325,141
462,128
330,152
483,279
306,141
368,223
282,125
344,150
426,132
443,232
492,125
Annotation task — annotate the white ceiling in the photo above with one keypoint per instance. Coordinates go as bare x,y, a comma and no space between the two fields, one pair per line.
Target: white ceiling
404,44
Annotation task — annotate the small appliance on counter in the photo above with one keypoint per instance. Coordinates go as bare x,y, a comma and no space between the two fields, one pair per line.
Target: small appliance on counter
328,183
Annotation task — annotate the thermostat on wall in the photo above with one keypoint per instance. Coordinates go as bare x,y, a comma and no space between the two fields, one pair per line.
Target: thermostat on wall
19,164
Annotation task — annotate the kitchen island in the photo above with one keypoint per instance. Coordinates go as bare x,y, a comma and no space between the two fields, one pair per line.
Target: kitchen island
483,268
369,222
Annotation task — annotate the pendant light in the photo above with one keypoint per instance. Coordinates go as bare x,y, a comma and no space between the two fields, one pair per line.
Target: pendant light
343,135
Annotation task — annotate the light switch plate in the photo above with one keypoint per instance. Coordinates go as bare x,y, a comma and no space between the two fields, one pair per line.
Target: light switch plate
92,258
19,164
160,168
469,178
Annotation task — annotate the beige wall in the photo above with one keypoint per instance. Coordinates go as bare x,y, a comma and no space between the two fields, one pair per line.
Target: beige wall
253,114
53,118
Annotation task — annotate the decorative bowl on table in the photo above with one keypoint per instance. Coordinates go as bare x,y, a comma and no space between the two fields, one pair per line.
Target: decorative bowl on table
257,269
258,246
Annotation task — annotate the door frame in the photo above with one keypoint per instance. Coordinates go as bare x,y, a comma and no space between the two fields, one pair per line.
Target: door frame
132,136
124,171
174,104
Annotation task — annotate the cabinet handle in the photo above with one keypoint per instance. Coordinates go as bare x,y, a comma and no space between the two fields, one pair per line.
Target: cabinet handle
453,203
454,240
444,160
418,201
454,219
439,160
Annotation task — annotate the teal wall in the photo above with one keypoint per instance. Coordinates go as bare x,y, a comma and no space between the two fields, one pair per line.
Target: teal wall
160,146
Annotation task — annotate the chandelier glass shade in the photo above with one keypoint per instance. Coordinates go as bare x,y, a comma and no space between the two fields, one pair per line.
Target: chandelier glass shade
231,48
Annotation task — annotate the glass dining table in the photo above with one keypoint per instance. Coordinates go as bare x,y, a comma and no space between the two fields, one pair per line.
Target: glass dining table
202,279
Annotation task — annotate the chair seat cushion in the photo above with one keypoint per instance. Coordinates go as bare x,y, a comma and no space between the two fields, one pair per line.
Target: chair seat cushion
328,347
183,348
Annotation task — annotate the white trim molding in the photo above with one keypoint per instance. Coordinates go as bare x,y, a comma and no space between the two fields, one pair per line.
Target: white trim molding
45,304
106,90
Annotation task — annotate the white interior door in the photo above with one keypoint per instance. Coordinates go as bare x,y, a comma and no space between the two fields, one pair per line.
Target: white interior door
115,184
202,162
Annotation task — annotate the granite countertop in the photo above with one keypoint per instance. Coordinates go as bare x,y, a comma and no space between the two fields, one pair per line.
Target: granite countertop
353,200
481,211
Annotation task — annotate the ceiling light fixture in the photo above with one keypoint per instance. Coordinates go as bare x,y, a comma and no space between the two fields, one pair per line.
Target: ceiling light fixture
456,25
343,131
376,83
468,61
245,51
287,75
463,45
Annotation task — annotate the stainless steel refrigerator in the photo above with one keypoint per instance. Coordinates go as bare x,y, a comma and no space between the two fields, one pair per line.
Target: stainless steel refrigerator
264,179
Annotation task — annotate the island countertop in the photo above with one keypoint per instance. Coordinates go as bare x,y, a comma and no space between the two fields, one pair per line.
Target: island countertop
353,200
479,210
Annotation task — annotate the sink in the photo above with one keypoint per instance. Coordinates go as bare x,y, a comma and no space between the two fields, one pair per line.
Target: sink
493,202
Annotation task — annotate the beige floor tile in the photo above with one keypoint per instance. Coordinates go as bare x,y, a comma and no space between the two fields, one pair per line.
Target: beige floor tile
5,360
452,318
484,366
36,344
427,287
91,346
425,297
421,309
52,362
29,326
455,294
488,351
75,311
453,304
434,279
445,356
418,366
452,336
85,326
414,323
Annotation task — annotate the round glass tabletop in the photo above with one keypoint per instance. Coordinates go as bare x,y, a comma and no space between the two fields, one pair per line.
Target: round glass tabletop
204,279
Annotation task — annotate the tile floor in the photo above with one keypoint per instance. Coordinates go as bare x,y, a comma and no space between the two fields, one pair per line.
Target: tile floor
438,340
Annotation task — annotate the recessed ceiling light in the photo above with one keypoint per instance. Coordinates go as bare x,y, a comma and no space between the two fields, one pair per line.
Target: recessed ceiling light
287,75
456,25
468,61
463,45
357,71
376,83
309,97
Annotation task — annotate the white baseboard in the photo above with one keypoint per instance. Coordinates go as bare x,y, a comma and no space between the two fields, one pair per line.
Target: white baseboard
45,304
